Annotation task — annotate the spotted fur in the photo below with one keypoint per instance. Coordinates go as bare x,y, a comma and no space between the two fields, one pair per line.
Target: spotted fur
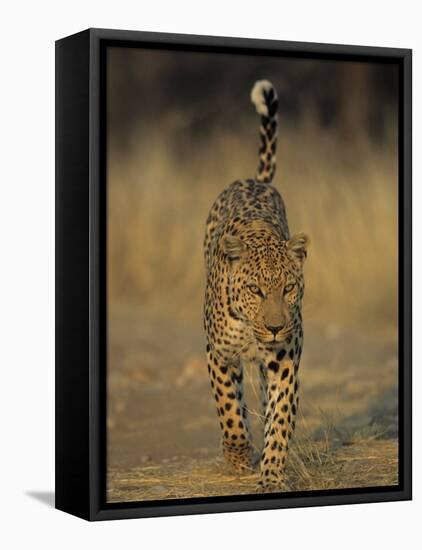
252,311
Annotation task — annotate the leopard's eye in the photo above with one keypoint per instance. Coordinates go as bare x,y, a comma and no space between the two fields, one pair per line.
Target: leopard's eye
288,288
255,289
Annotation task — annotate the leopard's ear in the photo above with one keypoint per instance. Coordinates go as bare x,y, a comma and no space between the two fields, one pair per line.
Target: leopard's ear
234,247
297,247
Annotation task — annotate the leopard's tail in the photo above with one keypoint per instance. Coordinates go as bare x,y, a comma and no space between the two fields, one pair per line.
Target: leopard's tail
265,99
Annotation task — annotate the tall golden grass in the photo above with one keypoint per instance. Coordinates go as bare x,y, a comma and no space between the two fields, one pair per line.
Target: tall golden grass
341,191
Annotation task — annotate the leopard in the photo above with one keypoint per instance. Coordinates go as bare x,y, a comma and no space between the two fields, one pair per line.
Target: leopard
253,308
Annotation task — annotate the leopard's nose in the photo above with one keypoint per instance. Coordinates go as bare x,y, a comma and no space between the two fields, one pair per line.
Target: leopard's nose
274,330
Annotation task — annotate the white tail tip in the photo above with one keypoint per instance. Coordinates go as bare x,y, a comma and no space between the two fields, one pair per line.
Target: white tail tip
257,96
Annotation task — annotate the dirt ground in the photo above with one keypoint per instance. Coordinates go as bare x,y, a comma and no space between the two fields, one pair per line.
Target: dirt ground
163,434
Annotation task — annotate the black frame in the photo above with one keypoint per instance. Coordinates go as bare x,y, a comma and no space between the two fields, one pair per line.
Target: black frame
81,283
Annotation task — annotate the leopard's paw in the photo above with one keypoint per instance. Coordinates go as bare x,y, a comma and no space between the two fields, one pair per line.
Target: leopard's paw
273,484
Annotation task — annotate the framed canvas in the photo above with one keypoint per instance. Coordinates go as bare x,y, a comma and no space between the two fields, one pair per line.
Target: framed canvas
202,183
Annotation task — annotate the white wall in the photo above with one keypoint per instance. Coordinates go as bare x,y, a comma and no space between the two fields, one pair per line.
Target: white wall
27,37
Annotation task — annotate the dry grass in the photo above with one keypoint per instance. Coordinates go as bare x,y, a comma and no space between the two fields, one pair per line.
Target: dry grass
311,466
331,459
163,431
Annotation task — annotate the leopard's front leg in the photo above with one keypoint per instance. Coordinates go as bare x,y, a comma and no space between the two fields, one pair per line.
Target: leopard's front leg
227,384
282,384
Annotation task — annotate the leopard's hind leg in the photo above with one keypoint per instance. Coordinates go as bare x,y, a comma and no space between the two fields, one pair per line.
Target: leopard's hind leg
263,393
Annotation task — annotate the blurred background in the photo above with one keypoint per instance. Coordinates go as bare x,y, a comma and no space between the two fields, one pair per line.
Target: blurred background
181,128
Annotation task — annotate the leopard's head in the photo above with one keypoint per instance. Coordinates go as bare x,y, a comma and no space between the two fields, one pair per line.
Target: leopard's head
265,281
